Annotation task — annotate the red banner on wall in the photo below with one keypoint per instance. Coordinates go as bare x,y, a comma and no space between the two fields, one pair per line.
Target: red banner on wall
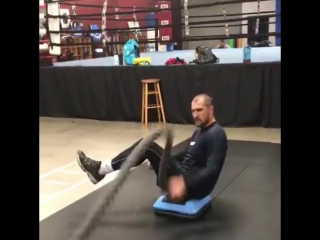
165,18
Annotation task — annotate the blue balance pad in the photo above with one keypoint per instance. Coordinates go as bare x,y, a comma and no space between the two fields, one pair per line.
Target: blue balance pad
189,209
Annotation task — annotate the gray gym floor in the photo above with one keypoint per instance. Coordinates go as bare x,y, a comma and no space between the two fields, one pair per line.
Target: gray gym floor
246,204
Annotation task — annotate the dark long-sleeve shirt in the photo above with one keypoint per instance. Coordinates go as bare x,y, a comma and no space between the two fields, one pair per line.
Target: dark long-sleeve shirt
204,158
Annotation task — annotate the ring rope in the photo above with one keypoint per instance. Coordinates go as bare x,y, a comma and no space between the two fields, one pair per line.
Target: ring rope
230,25
66,2
229,14
190,39
137,33
73,10
186,21
148,10
104,25
225,18
182,25
93,219
165,158
134,14
186,18
116,18
258,19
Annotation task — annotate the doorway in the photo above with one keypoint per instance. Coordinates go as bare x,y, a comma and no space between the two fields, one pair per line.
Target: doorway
263,29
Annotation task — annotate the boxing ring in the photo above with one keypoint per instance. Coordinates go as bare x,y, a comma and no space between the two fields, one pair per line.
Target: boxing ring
234,55
244,94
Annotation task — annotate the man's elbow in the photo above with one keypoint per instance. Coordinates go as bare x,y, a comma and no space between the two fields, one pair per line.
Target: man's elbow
214,171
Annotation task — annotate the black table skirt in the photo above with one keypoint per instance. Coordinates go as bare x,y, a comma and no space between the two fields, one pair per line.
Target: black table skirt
243,94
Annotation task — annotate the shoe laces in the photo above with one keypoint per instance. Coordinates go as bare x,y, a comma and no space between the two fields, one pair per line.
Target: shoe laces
88,161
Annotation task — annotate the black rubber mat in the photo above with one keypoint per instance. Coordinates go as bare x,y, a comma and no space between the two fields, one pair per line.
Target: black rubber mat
246,204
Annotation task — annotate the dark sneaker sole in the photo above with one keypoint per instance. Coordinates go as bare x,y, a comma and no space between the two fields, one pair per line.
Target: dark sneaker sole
92,178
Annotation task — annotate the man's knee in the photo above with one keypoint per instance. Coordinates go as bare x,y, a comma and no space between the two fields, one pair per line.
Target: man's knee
198,194
156,148
201,191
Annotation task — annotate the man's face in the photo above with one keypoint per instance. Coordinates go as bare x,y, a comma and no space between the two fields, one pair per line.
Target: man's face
200,113
222,43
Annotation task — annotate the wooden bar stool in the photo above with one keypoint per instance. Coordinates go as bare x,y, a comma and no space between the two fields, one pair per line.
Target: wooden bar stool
146,105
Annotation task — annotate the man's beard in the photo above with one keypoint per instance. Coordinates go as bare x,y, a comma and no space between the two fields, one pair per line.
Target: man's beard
200,123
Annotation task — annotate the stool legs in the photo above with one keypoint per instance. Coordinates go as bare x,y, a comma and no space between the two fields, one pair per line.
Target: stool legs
158,102
146,106
146,95
161,103
143,104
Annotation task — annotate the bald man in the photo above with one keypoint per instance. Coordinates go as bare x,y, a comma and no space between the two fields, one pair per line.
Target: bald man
197,162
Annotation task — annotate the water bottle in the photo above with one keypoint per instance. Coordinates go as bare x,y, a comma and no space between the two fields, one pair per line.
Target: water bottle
247,54
116,59
170,47
148,48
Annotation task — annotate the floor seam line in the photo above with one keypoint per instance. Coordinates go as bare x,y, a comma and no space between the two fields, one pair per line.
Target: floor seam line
232,180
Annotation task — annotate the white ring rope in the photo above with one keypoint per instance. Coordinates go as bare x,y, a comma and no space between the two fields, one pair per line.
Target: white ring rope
54,25
258,19
93,219
104,24
186,18
225,18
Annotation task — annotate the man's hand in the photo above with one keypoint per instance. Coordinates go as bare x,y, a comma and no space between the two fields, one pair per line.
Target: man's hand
177,188
149,165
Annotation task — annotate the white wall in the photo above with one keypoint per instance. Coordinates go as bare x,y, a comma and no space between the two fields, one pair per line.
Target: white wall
264,6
